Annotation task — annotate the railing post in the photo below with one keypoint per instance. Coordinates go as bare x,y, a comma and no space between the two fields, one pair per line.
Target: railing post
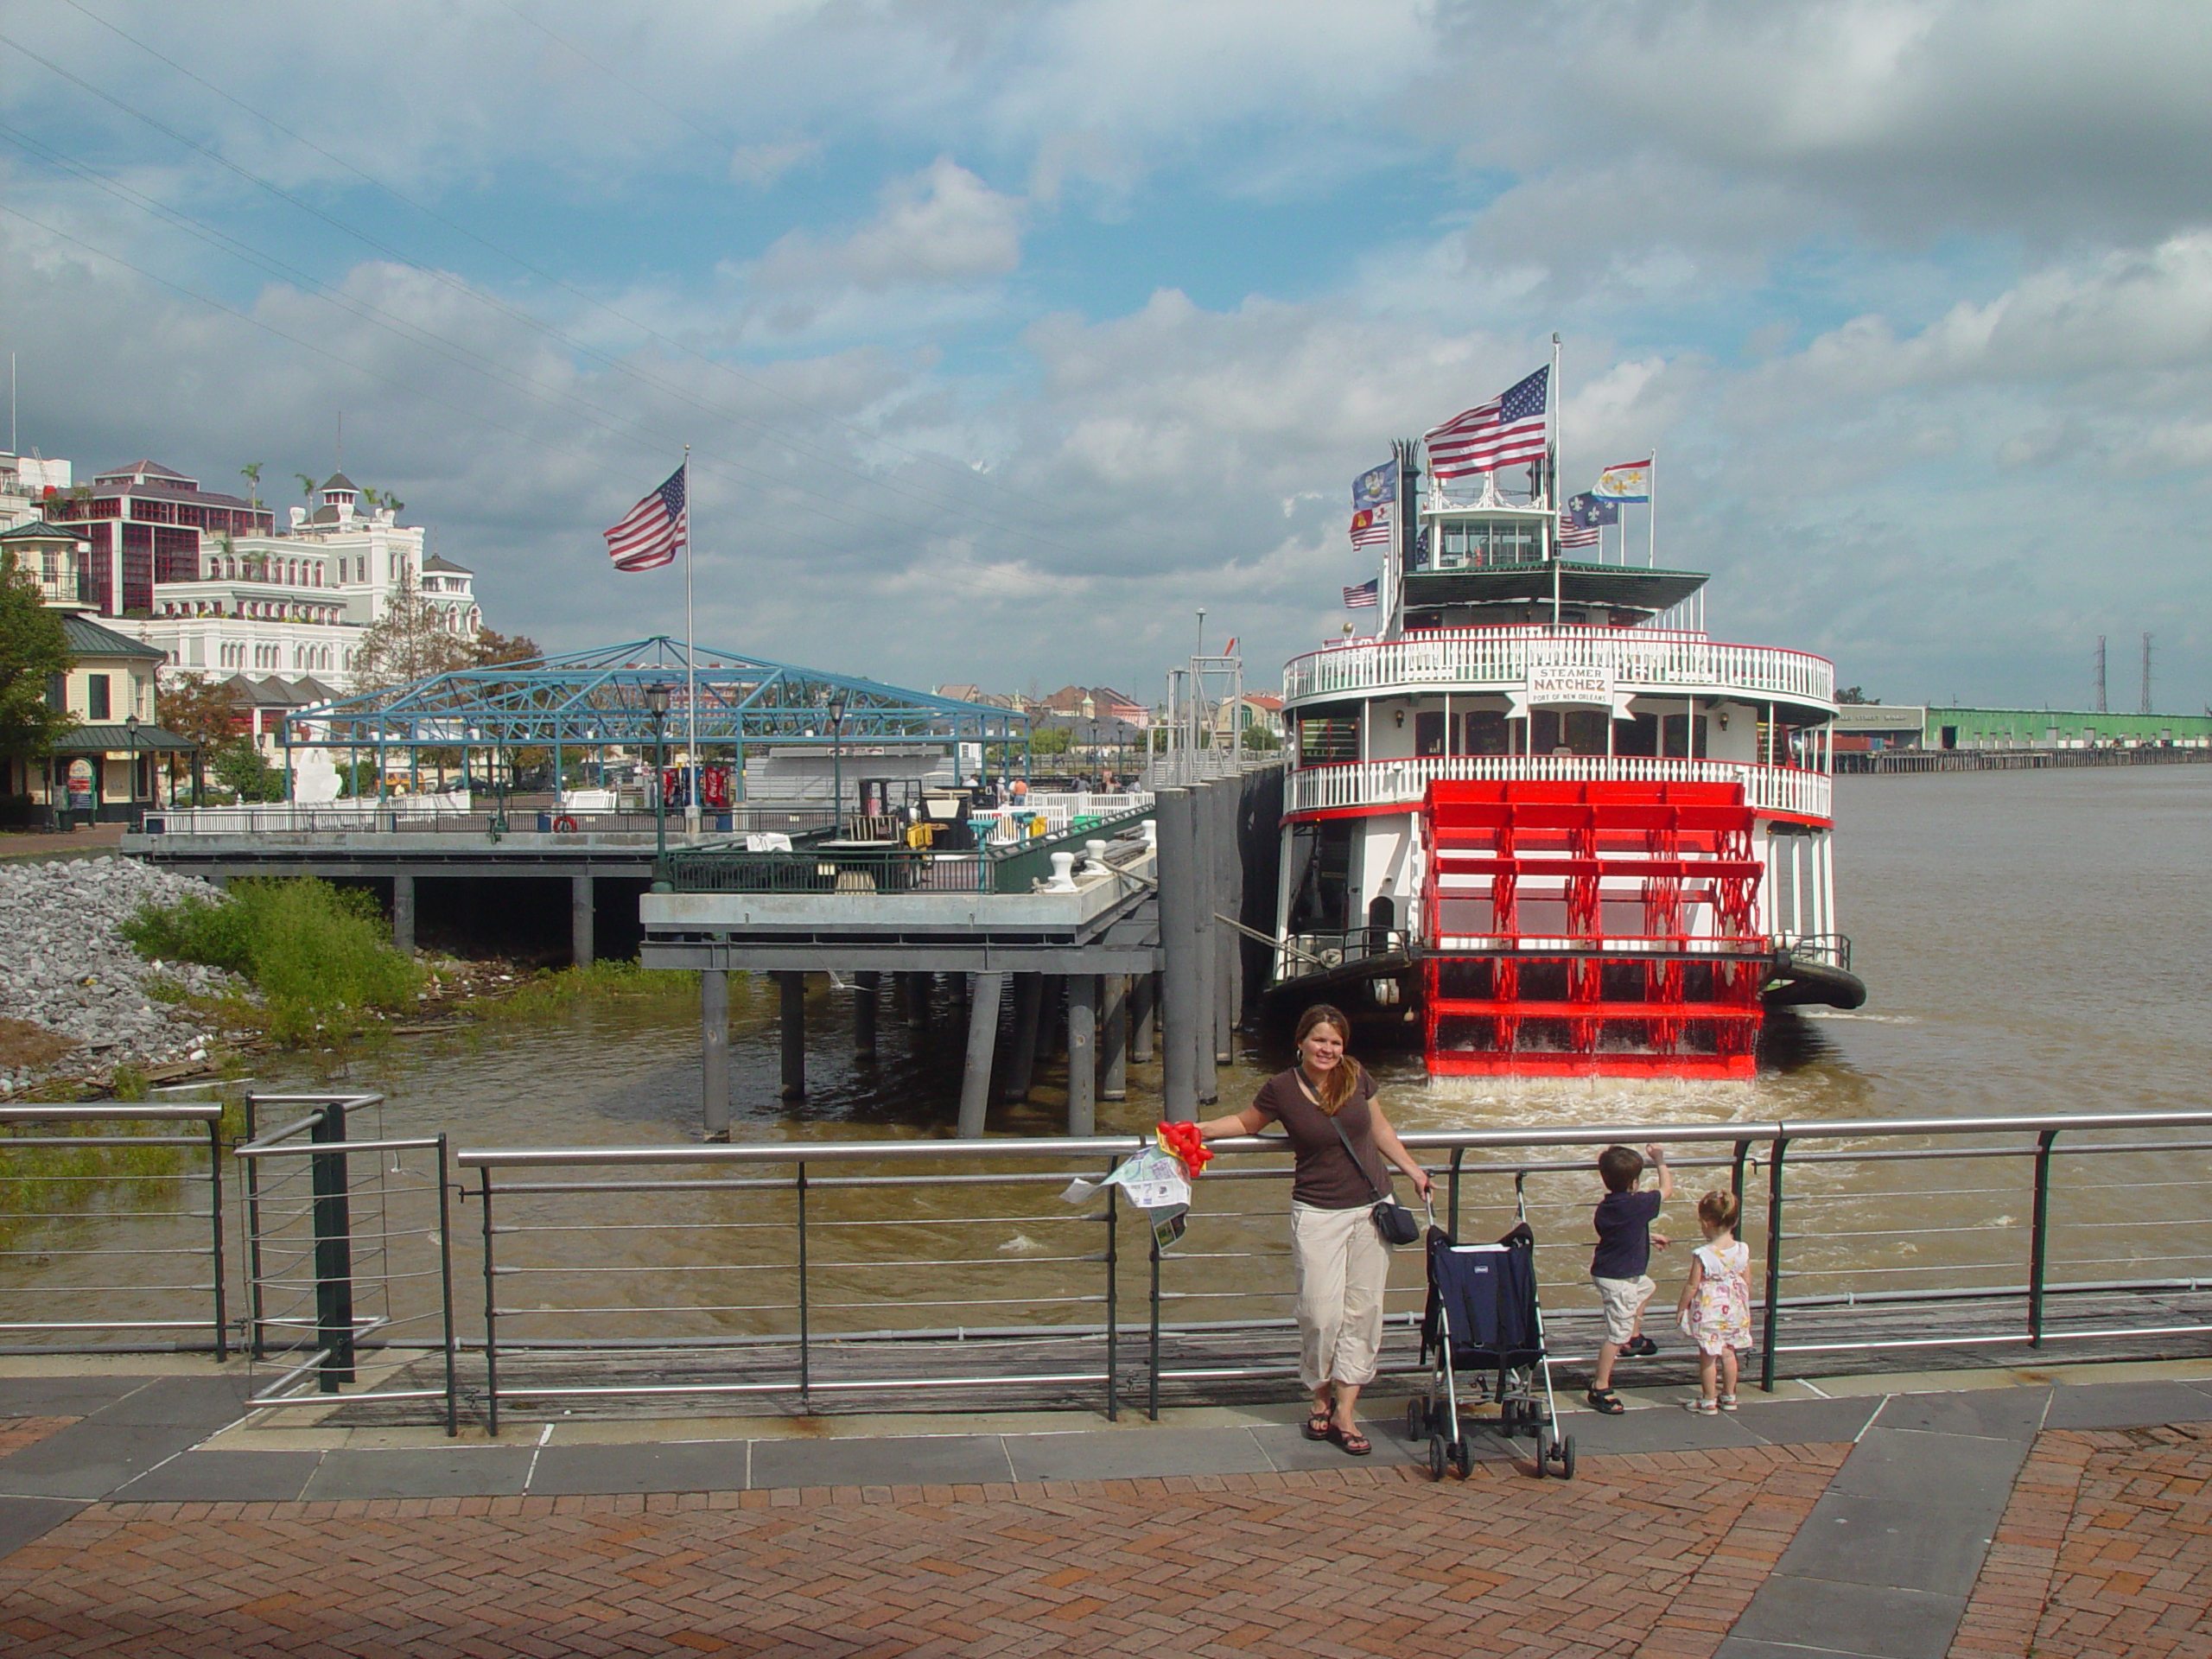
2039,1238
333,1248
1451,1217
1773,1264
1152,1365
215,1226
255,1345
1113,1302
805,1333
445,1289
491,1311
1736,1180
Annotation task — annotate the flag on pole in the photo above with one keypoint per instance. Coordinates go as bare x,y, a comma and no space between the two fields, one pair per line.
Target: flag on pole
652,531
1229,649
1591,513
1574,535
1373,493
1513,426
1361,598
1629,481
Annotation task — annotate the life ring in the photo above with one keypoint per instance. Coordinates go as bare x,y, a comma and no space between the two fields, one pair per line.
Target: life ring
564,825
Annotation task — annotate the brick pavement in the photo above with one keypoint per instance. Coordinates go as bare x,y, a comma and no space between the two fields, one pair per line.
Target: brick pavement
16,1432
1654,1555
2106,1548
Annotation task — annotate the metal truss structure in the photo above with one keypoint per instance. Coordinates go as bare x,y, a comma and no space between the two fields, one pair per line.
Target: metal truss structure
599,698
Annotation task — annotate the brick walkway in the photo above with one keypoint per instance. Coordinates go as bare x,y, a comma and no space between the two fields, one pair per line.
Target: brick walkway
1654,1555
2105,1548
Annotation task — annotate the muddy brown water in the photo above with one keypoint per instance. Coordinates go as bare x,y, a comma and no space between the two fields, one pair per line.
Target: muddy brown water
2031,943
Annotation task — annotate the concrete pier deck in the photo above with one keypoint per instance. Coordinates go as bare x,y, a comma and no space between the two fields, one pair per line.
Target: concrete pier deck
2060,1511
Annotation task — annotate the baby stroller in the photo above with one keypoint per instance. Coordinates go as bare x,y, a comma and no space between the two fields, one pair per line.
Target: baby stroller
1483,1316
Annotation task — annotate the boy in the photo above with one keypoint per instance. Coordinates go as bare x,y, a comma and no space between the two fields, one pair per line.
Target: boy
1617,1267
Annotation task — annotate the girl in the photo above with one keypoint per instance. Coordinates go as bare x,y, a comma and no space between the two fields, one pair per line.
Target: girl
1715,1312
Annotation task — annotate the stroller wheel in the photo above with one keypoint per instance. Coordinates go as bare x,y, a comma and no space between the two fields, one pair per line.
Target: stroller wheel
1463,1458
1566,1457
1543,1451
1416,1418
1439,1456
1509,1418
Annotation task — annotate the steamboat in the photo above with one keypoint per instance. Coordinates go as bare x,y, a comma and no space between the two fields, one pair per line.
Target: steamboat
1541,821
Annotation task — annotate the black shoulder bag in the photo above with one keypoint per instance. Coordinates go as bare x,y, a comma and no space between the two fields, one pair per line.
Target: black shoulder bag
1398,1225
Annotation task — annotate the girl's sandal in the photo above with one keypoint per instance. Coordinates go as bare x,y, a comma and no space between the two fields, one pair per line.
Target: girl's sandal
1354,1443
1316,1427
1605,1402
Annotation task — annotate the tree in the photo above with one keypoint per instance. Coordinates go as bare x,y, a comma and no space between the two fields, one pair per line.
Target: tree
194,706
238,766
408,642
1852,694
306,484
488,648
33,650
252,473
1257,736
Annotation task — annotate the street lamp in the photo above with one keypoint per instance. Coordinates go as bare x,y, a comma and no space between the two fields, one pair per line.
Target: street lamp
657,700
130,731
837,699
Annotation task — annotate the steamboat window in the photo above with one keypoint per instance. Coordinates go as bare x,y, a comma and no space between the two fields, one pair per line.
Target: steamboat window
1326,740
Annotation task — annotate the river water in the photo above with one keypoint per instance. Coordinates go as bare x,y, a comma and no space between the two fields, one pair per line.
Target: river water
2029,942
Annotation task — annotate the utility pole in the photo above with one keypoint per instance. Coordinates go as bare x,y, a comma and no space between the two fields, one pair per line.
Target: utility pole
2100,674
2147,673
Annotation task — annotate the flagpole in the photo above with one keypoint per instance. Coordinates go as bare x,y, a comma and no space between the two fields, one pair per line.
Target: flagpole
690,661
1650,518
1551,392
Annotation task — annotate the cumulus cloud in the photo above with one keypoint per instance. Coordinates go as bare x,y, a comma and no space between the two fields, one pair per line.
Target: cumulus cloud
942,224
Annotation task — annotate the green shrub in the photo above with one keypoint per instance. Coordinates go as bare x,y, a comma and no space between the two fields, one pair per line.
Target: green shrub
318,953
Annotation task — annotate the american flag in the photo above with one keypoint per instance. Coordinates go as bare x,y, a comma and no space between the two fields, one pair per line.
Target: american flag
1510,428
652,531
1361,598
1574,535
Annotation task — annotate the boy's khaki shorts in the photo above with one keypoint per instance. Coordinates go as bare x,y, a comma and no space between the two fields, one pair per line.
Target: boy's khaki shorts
1623,1299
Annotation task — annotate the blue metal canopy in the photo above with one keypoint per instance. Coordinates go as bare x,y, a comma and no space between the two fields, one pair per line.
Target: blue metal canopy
592,698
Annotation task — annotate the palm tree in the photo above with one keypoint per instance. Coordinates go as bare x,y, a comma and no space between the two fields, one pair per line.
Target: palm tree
306,484
252,473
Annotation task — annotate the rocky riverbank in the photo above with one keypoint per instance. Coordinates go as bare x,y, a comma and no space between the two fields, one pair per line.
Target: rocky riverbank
75,999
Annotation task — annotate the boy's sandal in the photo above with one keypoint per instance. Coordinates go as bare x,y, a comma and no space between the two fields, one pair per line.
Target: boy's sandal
1316,1427
1639,1347
1605,1401
1354,1443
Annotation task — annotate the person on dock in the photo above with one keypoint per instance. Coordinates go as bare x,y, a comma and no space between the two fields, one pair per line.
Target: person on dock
1716,1310
1326,1104
1617,1266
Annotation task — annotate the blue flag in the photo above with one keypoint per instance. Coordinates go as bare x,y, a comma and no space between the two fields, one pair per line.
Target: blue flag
1589,513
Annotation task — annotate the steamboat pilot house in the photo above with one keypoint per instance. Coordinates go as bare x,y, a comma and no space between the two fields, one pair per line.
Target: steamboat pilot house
1545,822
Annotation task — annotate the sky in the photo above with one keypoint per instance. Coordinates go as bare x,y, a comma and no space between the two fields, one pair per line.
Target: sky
1008,336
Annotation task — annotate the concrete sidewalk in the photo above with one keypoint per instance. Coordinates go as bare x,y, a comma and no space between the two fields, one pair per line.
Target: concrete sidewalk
1855,1521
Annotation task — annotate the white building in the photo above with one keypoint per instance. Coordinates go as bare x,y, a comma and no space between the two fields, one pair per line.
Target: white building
222,592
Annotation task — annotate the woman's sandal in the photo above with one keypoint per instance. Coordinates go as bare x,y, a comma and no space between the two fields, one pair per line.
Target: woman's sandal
1605,1401
1353,1442
1317,1426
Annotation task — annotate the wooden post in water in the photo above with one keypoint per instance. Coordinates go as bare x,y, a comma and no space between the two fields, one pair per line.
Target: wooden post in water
582,945
864,993
916,987
1178,1000
790,1020
1206,896
714,1052
1021,1058
982,1039
1082,1053
1113,1040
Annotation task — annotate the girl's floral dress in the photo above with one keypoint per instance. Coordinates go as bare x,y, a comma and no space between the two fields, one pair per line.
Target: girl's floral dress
1719,1314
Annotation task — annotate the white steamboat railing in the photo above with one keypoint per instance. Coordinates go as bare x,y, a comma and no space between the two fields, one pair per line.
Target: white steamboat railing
1497,659
1389,783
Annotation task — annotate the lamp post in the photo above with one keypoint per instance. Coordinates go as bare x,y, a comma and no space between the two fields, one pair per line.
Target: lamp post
837,699
657,700
130,731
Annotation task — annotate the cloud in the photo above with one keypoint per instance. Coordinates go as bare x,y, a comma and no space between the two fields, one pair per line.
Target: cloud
762,165
942,224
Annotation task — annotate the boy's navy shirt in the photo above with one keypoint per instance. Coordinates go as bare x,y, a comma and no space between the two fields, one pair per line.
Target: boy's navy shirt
1624,1220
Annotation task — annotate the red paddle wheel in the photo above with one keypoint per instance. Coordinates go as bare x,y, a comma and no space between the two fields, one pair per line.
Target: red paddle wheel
1592,929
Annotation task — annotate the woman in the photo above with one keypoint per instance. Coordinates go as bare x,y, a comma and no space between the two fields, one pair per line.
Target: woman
1342,1262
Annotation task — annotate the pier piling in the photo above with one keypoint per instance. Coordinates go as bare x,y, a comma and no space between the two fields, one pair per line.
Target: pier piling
915,988
792,1028
1144,1006
1114,1039
1178,1002
581,916
1204,809
714,1052
1052,987
1021,1058
982,1039
402,912
1082,1053
1228,900
864,994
